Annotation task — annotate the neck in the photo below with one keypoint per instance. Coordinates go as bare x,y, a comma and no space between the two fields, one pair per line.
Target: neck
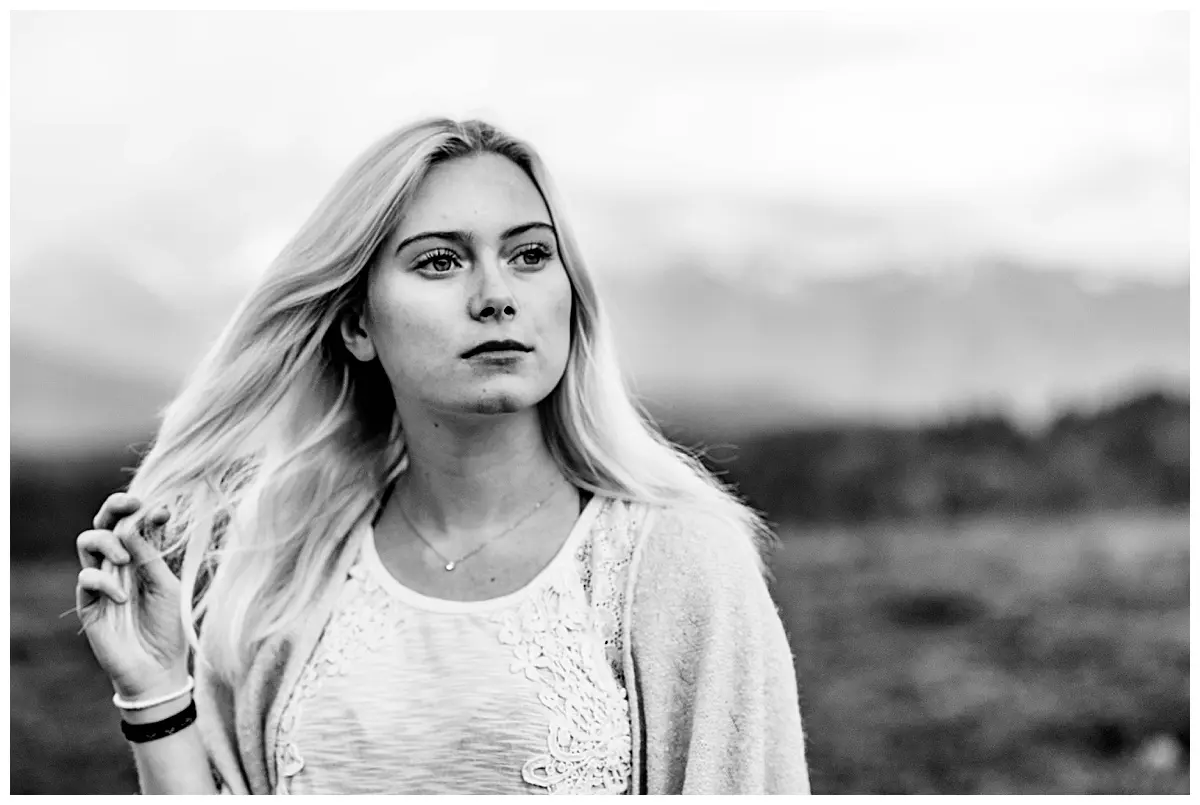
466,476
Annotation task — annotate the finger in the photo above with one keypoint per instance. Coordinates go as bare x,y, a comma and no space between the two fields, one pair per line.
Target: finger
142,521
94,582
159,518
96,545
146,557
117,506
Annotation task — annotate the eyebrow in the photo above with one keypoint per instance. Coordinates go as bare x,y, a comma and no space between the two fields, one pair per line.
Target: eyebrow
467,237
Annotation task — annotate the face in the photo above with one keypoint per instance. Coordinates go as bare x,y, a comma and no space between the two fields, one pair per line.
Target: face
474,260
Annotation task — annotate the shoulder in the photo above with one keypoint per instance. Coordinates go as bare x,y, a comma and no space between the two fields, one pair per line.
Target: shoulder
692,558
697,544
698,596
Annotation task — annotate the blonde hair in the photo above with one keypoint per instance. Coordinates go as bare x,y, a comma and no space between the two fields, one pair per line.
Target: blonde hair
281,442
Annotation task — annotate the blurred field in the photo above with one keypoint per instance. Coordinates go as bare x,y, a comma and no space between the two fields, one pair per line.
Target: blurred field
1002,655
997,655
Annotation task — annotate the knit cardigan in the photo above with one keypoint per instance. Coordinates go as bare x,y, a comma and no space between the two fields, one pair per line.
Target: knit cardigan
709,674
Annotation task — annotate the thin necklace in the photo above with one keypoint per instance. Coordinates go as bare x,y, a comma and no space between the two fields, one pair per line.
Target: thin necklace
453,563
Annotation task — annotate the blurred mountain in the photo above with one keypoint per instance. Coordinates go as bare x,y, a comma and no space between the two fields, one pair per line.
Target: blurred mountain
96,308
898,347
725,347
63,405
95,353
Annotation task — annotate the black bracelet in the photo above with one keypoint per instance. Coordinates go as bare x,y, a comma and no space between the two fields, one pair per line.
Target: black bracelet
141,733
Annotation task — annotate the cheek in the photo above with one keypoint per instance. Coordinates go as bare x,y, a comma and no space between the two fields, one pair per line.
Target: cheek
563,311
563,336
560,317
563,299
404,331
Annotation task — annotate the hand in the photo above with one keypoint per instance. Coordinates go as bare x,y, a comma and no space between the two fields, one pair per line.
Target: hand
128,601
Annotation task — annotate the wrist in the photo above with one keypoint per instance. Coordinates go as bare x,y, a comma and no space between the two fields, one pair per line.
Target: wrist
157,700
160,684
158,712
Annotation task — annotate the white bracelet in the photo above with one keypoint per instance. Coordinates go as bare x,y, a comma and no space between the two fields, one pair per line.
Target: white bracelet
126,704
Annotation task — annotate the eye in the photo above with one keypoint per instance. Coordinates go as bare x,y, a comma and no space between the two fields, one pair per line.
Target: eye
438,261
533,255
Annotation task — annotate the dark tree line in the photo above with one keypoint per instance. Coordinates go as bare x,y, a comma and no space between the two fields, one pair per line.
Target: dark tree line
1130,455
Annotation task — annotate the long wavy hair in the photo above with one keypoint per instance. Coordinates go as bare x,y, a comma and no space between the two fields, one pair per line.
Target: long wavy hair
280,442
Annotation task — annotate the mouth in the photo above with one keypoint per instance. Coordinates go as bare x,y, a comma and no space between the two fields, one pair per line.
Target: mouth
496,346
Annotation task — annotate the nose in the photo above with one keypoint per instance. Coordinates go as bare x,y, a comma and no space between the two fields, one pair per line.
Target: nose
493,298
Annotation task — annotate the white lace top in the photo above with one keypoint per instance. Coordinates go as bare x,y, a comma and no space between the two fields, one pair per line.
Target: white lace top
408,694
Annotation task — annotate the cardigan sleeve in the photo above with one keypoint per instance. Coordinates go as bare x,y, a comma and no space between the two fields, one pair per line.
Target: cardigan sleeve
715,680
215,718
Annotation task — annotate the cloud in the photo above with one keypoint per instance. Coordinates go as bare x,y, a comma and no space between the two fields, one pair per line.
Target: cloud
962,134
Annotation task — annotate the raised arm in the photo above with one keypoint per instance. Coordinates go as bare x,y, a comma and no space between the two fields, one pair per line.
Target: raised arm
128,602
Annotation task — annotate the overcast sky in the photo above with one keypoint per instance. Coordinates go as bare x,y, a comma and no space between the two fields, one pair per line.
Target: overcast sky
1054,138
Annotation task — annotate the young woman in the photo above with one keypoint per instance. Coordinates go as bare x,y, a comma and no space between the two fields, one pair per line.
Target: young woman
421,539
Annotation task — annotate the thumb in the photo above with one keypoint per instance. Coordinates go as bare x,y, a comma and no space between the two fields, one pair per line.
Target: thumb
147,559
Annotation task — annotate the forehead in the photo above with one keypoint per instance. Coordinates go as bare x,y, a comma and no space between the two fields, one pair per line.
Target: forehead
483,193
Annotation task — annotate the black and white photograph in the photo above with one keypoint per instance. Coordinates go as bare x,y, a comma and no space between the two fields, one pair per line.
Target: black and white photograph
571,401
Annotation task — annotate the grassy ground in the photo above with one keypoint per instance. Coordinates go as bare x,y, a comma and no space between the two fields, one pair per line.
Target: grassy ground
65,733
997,656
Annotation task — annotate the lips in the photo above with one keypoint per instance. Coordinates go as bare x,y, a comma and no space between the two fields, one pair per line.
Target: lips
496,346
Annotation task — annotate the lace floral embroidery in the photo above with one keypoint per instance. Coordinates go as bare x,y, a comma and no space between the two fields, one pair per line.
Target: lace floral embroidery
555,636
553,640
366,615
603,561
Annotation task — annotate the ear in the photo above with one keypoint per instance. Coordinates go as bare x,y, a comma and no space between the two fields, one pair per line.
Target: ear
355,336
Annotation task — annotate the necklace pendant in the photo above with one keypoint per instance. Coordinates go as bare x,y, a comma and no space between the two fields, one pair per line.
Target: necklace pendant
449,566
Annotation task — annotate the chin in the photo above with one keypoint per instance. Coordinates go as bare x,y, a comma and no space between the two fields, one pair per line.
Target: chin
500,403
500,400
508,395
